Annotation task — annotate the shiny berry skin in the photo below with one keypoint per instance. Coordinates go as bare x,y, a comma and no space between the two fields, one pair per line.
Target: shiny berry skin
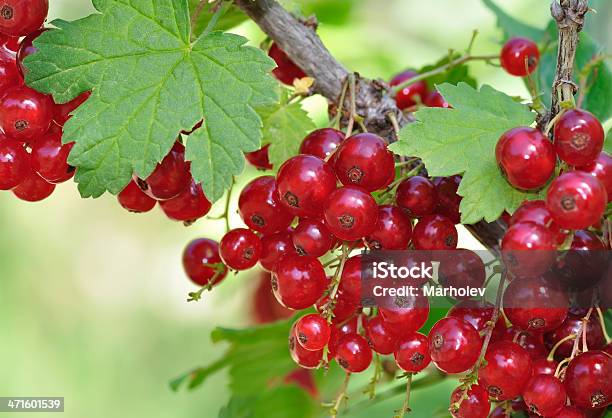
240,249
476,405
260,159
601,169
312,332
588,380
260,208
412,354
135,200
311,237
393,230
338,331
350,280
380,336
579,137
531,342
21,17
363,160
304,182
286,71
405,315
544,366
528,249
461,269
570,412
9,43
49,158
435,232
576,200
9,73
14,163
170,177
435,99
26,48
572,325
198,257
304,358
190,205
273,247
298,281
478,314
34,188
536,211
526,158
454,345
322,143
519,56
410,95
447,197
544,395
507,370
62,112
416,195
350,213
25,114
353,353
535,305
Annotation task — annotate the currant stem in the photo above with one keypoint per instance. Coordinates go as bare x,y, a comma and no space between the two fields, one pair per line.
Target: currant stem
227,205
602,323
341,396
353,113
370,390
328,309
218,10
405,408
338,118
551,355
196,296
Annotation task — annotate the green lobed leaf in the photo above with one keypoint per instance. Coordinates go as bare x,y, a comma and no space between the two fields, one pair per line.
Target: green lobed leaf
149,82
280,402
454,75
462,140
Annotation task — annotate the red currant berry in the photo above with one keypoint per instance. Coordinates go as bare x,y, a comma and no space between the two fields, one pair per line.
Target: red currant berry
304,182
322,143
34,188
536,211
199,260
260,208
273,247
588,380
350,213
579,137
50,158
9,43
572,325
9,74
63,112
526,158
353,353
304,358
240,249
601,169
544,366
135,200
170,177
189,206
532,343
405,315
21,17
478,314
435,99
570,412
260,159
350,280
454,345
349,326
544,395
26,48
519,56
298,282
393,230
476,405
346,306
435,232
576,200
461,269
380,336
311,237
363,160
417,195
25,114
312,332
410,95
14,163
286,71
528,249
412,354
447,197
507,370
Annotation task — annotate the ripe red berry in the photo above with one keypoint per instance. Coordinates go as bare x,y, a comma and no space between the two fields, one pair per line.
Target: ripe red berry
476,405
380,336
265,308
412,354
286,71
312,332
405,315
34,188
260,208
519,56
532,343
50,158
25,114
304,182
170,177
544,366
298,281
62,112
9,73
461,269
528,249
198,259
9,44
417,195
454,345
350,280
322,143
478,314
526,158
435,99
311,237
14,163
393,230
190,205
363,160
579,137
507,370
135,200
240,249
588,380
260,159
304,358
21,17
435,232
544,395
353,353
447,197
26,48
576,200
349,326
536,211
350,213
570,412
572,325
273,247
410,95
601,169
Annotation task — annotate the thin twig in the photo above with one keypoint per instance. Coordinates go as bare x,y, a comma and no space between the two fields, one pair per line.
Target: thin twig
406,406
341,396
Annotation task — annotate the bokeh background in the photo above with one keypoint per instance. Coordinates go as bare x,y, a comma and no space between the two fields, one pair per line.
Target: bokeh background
93,299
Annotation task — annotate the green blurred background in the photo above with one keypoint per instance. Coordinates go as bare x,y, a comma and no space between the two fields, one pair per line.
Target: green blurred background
93,299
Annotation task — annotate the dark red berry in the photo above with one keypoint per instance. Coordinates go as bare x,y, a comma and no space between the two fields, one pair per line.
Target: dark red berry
526,158
588,380
260,159
260,207
286,71
435,99
412,354
50,158
570,412
26,48
544,395
544,366
9,43
240,249
572,325
507,370
22,17
135,200
405,314
601,169
435,232
349,326
350,213
447,197
190,205
14,163
528,249
478,314
265,308
322,143
532,343
34,188
273,247
170,177
417,195
304,358
25,114
311,237
393,230
9,73
199,259
461,269
298,281
536,211
410,95
519,56
454,345
579,137
353,353
350,280
475,405
380,336
312,332
62,112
